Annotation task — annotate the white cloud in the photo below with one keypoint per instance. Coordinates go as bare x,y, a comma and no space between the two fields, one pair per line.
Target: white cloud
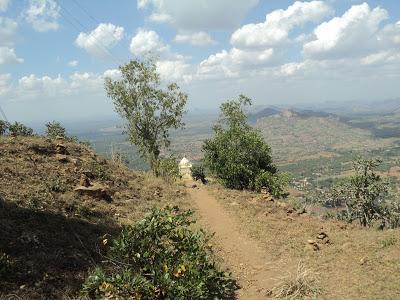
351,35
8,29
278,24
113,74
147,42
43,15
8,56
4,5
235,63
73,63
200,38
174,70
101,39
199,15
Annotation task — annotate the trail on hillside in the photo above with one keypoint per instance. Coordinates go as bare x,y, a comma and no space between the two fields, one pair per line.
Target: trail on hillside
241,254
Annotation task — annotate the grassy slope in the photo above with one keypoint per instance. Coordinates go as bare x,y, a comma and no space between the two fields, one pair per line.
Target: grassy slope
358,263
52,234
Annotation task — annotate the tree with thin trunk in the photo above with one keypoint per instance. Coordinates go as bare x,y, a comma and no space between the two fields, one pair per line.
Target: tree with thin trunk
149,109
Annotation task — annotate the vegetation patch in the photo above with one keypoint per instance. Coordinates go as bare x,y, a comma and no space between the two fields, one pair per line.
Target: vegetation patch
160,257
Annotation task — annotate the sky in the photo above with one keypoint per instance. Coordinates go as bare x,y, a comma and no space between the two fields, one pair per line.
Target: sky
55,54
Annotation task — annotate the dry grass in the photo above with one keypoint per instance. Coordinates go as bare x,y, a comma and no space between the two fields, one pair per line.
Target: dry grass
52,234
302,284
364,262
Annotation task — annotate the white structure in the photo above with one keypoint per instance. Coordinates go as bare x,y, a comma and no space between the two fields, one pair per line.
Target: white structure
185,168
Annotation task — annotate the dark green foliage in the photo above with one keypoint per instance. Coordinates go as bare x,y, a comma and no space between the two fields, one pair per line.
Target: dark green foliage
19,129
4,125
54,130
160,257
237,153
365,197
198,173
150,111
276,183
168,168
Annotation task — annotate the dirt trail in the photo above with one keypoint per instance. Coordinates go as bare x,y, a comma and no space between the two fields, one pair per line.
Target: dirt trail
241,254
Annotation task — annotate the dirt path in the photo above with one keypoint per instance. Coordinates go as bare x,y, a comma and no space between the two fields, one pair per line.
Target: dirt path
241,254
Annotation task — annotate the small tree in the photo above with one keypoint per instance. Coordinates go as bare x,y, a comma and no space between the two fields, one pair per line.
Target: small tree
54,130
237,153
19,129
364,195
150,111
4,125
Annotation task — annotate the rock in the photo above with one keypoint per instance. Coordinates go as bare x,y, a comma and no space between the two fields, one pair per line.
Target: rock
302,211
96,190
62,157
84,181
323,238
363,260
194,186
61,149
311,242
264,190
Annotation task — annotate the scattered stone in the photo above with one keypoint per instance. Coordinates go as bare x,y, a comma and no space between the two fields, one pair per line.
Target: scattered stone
194,186
61,149
62,158
157,193
323,238
264,190
312,245
84,181
363,260
302,211
96,190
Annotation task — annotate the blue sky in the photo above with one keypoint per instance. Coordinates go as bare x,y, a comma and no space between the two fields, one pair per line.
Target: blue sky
54,55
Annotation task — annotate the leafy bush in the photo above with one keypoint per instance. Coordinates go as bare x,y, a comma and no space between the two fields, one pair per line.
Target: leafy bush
365,197
198,173
160,257
168,168
4,125
54,130
276,183
19,129
237,153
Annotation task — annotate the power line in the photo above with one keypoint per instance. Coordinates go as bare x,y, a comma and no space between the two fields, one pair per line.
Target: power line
3,114
97,43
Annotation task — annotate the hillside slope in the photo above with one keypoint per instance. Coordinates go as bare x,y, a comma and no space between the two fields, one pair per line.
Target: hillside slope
58,201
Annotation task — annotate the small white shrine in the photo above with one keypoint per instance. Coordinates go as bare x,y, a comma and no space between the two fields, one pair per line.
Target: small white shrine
185,168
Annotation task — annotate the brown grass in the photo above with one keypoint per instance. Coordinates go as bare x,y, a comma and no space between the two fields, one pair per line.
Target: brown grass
299,285
52,234
357,263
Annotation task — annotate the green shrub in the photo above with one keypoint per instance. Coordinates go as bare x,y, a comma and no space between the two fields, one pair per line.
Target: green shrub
237,153
19,129
275,183
198,173
160,257
54,130
4,126
168,168
365,197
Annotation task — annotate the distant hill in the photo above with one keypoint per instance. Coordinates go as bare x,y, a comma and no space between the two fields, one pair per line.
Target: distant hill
288,113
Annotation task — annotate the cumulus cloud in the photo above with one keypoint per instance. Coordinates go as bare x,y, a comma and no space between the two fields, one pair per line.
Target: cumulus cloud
278,24
175,69
351,35
147,42
43,15
8,29
200,38
4,5
100,40
199,15
8,56
235,62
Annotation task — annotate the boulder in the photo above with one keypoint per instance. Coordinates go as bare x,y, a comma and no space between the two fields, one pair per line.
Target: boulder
62,158
95,190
